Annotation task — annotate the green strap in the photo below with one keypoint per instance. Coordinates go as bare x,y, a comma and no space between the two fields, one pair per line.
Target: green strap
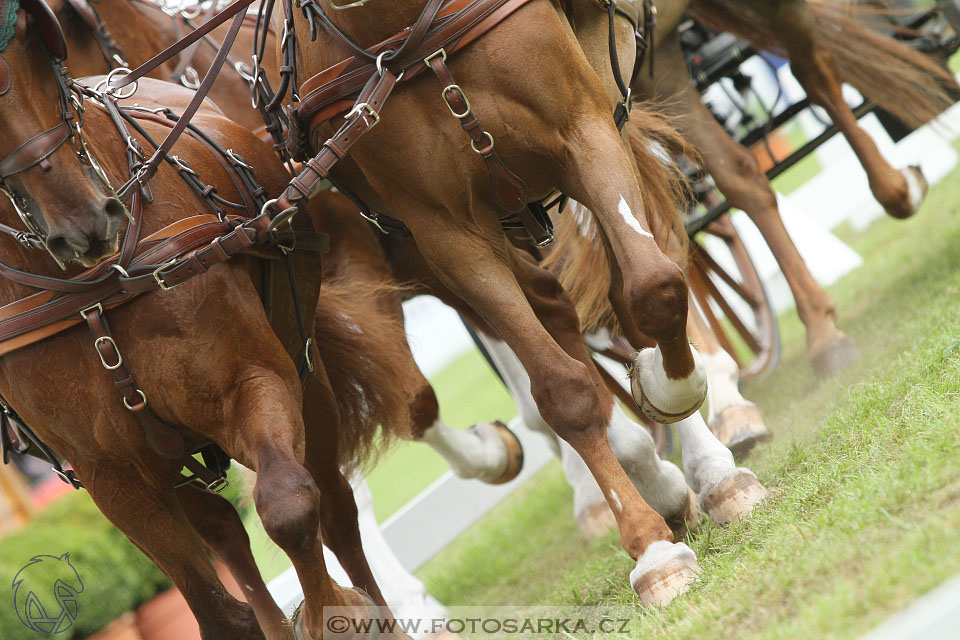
8,20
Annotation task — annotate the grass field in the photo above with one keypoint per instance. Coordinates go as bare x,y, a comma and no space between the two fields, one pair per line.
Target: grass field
865,513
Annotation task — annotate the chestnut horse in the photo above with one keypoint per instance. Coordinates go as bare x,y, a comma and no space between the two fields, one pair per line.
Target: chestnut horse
205,354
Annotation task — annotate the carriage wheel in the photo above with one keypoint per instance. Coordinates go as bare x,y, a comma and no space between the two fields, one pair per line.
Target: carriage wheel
735,303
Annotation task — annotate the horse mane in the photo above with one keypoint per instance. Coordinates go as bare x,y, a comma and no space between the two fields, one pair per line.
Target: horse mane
364,351
579,259
913,86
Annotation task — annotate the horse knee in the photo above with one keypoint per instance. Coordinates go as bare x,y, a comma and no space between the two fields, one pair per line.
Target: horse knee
288,502
747,187
658,301
567,399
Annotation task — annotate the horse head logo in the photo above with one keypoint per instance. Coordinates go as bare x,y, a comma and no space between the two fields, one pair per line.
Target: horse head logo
45,594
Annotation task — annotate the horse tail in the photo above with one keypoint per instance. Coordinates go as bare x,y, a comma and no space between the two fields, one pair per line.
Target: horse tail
364,351
579,259
913,86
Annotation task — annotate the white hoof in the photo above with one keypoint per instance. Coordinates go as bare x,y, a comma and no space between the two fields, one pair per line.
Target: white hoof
733,498
660,398
916,185
664,571
497,436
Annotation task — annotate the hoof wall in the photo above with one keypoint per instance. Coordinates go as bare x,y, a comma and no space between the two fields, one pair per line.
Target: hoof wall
686,520
836,356
596,521
514,453
734,498
740,428
917,187
671,572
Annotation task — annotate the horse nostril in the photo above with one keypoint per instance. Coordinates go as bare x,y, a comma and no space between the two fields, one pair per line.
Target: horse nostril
68,246
113,208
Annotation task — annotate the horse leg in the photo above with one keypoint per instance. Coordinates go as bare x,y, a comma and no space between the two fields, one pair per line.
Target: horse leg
737,422
562,386
900,192
221,530
647,290
285,494
167,538
338,509
739,177
406,594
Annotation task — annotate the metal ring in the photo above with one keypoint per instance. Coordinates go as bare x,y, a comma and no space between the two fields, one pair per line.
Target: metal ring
380,60
103,360
473,144
121,270
117,92
143,398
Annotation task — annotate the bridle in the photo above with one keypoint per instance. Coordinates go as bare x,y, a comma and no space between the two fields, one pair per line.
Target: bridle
37,150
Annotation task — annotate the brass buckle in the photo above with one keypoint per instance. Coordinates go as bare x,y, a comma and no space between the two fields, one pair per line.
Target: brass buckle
358,111
116,349
158,275
466,109
440,52
98,307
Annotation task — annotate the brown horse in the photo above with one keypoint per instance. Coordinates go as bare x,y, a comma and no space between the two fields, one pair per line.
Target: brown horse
437,188
243,393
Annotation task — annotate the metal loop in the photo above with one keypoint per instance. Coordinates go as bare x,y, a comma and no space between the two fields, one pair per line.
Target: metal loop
108,340
143,399
473,145
380,60
116,92
190,79
466,101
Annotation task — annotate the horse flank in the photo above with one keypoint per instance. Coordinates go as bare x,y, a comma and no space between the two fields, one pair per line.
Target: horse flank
911,85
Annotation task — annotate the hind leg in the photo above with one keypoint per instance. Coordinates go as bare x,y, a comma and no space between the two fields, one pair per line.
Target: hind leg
219,526
149,514
338,509
739,177
900,192
737,422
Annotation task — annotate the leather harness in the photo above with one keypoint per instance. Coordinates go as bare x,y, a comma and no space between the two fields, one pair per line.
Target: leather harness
161,261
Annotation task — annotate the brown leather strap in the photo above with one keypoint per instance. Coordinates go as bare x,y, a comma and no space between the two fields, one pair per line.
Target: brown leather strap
6,77
365,115
35,150
509,191
161,437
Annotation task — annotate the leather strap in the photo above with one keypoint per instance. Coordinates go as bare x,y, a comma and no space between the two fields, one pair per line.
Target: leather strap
509,191
35,150
6,77
161,437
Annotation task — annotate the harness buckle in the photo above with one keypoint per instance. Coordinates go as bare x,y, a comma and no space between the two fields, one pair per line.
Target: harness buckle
440,52
218,485
108,340
97,306
358,110
463,96
158,275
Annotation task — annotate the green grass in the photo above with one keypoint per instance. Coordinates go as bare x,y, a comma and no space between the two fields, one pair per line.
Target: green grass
865,513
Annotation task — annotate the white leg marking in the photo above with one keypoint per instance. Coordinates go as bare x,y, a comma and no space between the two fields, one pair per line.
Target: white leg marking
664,393
706,462
472,453
723,377
405,594
627,214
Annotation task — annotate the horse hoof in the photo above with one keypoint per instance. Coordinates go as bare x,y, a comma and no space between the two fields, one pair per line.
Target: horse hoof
686,519
917,187
834,357
740,428
596,521
734,498
660,398
663,572
514,452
